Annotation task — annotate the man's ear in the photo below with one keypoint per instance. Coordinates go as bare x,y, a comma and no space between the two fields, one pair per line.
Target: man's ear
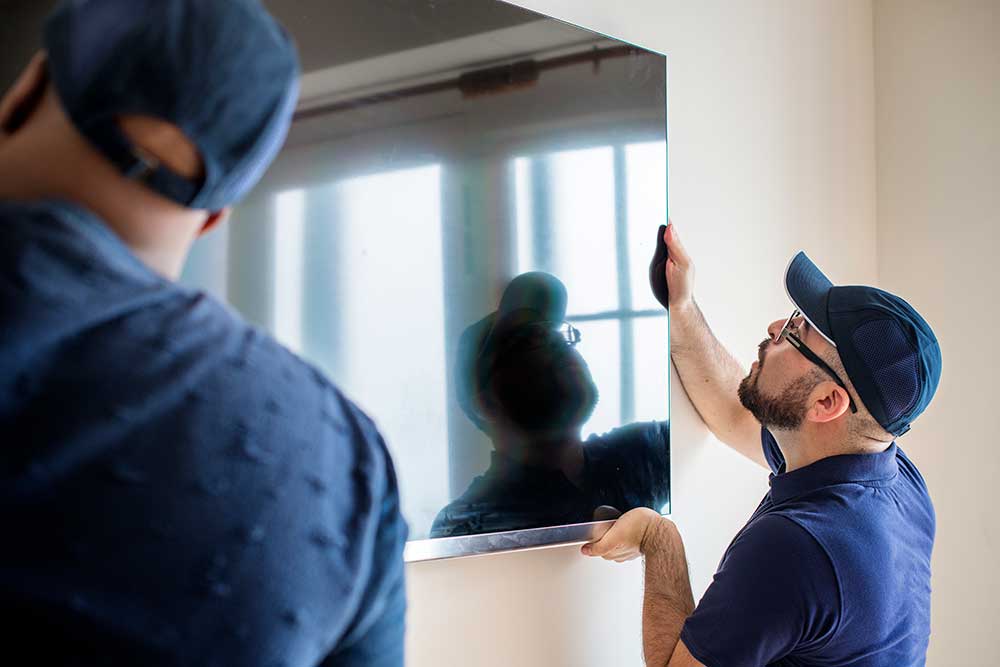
214,219
831,401
20,102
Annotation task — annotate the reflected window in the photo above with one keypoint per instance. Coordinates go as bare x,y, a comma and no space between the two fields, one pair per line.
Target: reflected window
590,216
371,313
289,229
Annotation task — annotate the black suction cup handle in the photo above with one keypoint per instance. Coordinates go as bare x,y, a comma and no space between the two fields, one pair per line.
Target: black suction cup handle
658,270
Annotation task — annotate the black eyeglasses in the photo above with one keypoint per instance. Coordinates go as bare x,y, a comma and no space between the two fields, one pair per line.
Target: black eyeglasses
541,333
570,333
786,333
531,336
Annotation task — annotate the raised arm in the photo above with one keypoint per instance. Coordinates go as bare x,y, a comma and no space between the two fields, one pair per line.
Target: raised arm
709,373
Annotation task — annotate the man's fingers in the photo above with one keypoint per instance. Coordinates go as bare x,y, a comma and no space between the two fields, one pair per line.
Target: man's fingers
598,549
619,553
603,547
674,246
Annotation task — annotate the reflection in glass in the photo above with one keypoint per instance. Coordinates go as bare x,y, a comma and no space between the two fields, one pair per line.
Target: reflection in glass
288,260
439,151
392,318
646,178
580,215
522,380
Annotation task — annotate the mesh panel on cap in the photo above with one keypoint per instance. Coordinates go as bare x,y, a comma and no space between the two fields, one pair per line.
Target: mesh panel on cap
893,364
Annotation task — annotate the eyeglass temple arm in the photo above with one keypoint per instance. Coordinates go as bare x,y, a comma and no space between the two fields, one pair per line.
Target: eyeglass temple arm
815,358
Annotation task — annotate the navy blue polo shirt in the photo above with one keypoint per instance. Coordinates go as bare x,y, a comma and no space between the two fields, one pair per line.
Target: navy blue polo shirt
175,487
832,569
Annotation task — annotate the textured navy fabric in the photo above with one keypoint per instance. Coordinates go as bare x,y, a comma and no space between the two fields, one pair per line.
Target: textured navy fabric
175,487
832,569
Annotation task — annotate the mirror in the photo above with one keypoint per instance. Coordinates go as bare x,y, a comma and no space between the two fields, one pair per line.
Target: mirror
458,233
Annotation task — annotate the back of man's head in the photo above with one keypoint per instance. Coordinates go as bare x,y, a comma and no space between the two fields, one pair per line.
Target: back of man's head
187,101
220,70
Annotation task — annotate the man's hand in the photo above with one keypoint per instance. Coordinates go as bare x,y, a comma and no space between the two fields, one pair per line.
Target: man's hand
679,270
627,538
667,599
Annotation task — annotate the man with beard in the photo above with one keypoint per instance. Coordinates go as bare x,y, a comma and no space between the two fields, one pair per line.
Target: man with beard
521,380
833,568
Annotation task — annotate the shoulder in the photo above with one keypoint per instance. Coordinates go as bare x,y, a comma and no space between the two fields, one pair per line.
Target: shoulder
783,558
54,224
775,593
779,540
638,437
271,379
60,255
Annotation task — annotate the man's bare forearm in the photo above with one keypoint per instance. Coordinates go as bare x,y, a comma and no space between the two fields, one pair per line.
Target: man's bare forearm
667,599
711,378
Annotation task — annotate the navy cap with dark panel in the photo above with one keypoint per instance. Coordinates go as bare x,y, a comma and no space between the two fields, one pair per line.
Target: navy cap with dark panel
889,351
223,71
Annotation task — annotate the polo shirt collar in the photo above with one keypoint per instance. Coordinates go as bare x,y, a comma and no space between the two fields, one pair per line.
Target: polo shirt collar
867,469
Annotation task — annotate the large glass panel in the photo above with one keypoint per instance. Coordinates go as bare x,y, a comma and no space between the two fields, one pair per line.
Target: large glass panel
457,233
646,174
393,322
652,371
289,239
599,346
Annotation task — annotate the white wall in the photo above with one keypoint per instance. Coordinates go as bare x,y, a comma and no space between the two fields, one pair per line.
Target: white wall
772,149
938,83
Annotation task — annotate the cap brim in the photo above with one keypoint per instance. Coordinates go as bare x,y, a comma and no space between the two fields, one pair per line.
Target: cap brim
809,289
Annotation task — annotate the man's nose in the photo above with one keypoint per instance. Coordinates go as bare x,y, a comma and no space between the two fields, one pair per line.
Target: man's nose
774,328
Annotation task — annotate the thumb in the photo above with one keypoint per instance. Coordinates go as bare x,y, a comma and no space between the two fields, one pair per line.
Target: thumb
675,248
602,545
596,549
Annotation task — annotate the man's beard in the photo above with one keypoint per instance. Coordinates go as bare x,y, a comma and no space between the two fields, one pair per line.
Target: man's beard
786,411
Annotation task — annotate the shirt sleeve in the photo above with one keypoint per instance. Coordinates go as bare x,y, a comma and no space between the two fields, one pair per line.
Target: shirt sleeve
775,594
775,459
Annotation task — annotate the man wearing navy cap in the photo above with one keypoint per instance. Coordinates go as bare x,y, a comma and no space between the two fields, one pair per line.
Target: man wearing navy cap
833,568
175,487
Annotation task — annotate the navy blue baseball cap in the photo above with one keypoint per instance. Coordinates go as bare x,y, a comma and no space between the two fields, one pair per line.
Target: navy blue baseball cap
889,351
222,71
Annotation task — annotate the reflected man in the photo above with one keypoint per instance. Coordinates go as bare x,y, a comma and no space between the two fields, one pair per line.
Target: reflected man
524,383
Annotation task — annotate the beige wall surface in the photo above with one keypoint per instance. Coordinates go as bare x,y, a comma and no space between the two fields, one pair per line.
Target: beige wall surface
938,123
772,149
